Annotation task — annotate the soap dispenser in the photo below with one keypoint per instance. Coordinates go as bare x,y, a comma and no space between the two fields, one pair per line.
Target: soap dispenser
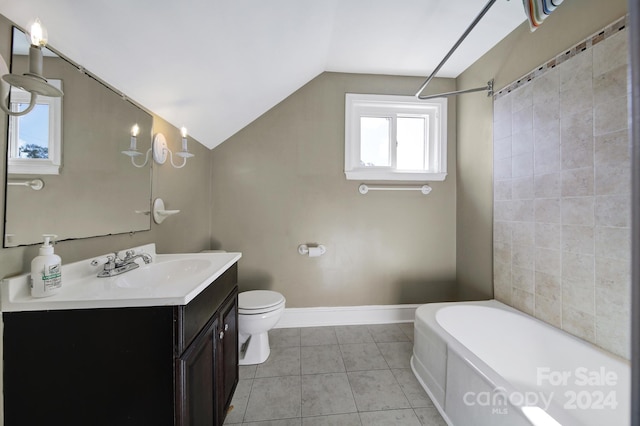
46,270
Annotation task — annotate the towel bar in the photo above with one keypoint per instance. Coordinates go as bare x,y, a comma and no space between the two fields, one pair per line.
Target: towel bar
363,188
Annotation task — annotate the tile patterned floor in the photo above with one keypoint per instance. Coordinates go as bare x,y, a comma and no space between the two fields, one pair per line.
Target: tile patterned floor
342,376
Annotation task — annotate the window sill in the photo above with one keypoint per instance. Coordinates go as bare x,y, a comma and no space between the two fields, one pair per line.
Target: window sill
364,175
33,169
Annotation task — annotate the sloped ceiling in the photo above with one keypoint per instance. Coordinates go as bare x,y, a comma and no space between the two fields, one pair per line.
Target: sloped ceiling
215,66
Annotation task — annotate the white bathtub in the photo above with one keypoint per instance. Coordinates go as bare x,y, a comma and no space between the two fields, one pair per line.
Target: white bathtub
484,363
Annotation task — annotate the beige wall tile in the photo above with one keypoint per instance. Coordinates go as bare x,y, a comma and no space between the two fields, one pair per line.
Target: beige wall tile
614,334
522,165
502,232
577,182
610,54
577,140
613,210
522,120
548,310
502,290
502,168
610,85
548,285
548,261
523,210
576,153
578,239
523,188
581,174
548,210
523,300
575,71
502,270
579,323
548,185
578,269
613,243
523,256
522,98
612,163
503,211
546,114
578,211
613,274
502,252
613,302
579,298
548,235
502,128
502,108
547,148
502,190
611,116
523,279
576,98
546,88
502,148
523,233
522,142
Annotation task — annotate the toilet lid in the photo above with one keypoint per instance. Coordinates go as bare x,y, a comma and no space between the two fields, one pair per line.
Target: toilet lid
259,299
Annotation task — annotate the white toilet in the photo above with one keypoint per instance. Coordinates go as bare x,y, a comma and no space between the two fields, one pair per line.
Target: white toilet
258,312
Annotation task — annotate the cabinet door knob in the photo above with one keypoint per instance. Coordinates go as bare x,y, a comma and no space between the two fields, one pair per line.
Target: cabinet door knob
221,335
226,327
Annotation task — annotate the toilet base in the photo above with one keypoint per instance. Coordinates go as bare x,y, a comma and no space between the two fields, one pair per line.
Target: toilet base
253,348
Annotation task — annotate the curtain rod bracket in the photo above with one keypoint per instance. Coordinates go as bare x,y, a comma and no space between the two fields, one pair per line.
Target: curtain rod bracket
488,88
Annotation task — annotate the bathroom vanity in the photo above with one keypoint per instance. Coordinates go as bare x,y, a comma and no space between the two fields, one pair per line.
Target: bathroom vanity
161,364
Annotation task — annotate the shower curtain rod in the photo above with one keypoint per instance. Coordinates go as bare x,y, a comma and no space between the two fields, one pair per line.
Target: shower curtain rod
488,87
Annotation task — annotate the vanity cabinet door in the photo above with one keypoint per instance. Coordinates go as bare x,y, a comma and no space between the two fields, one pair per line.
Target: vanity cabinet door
228,354
196,385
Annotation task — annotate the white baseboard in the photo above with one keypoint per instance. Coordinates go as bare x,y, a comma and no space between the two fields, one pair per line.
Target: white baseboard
346,315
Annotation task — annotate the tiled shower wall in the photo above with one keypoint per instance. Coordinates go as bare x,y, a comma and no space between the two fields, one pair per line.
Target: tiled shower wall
562,191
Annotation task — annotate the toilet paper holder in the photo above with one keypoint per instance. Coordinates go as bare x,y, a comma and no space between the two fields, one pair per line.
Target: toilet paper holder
312,250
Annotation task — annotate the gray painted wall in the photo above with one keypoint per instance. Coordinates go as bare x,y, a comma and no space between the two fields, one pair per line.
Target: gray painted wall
280,182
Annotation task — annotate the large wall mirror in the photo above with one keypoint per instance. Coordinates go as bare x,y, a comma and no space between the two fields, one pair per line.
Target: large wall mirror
90,188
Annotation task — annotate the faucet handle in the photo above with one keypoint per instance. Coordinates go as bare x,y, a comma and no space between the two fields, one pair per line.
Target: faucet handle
103,260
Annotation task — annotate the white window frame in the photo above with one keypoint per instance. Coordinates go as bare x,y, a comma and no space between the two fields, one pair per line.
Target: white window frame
391,106
36,166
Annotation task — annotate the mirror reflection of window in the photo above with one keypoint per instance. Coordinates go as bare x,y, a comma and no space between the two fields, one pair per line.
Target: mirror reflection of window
33,132
35,143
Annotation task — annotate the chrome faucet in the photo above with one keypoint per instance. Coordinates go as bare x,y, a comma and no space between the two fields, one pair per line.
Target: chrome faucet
113,265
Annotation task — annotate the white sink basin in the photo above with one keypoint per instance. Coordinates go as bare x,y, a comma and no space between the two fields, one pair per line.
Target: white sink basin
162,273
170,279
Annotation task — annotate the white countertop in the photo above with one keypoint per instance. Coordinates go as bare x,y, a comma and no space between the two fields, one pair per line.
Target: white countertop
170,279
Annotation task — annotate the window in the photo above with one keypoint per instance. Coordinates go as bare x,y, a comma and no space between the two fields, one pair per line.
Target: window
395,138
35,143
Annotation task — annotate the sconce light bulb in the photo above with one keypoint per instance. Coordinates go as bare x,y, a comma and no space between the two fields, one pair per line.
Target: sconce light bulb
37,34
183,132
135,130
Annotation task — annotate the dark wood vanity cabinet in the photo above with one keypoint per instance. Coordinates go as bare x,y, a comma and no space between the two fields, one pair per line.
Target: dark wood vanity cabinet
160,365
214,353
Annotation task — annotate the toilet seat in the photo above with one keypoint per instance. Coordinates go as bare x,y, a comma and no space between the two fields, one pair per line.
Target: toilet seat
259,302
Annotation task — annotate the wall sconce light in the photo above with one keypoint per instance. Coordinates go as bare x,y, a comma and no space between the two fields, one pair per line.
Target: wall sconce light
32,81
159,149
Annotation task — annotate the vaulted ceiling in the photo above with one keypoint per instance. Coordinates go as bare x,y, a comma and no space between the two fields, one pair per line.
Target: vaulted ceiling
215,66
